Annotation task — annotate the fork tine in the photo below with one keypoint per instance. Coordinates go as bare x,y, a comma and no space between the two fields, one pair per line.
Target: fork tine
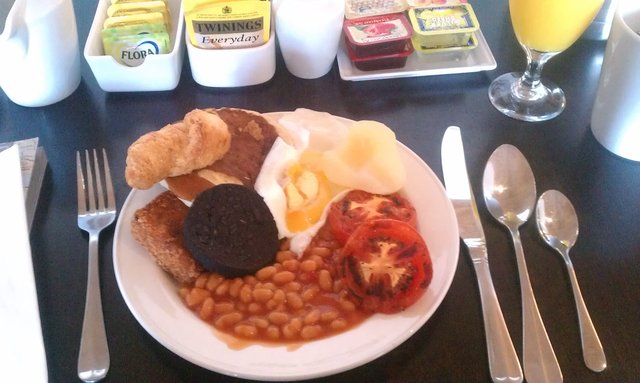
98,176
111,199
92,197
82,199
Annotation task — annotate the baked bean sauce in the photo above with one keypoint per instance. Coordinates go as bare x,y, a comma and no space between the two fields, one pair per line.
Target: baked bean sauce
293,300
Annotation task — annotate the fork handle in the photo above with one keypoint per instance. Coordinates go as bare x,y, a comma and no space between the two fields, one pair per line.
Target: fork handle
93,359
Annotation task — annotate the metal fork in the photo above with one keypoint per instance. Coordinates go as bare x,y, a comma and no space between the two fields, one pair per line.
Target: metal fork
93,359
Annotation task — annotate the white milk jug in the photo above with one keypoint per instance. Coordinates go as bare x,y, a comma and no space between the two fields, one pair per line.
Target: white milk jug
40,58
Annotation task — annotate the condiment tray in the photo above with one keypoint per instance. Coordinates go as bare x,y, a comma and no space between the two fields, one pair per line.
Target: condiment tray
421,64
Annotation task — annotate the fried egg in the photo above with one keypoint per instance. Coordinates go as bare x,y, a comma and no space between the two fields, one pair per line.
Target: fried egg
291,181
316,161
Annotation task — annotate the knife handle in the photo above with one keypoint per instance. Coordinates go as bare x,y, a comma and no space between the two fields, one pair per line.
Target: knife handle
503,360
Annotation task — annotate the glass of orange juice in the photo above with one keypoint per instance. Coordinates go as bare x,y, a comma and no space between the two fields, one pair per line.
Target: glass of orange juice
544,28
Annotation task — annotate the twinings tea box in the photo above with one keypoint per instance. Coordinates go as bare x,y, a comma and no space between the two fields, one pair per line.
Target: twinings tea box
215,24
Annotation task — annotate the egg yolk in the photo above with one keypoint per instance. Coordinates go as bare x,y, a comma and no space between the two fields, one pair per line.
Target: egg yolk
308,192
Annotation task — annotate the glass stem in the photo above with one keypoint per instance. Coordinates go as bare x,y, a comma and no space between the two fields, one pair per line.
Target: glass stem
530,87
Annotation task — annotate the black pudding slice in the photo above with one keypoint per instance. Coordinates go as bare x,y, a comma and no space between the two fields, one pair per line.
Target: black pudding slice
230,230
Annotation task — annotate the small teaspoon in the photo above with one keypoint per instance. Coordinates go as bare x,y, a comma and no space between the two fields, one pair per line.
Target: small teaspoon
558,225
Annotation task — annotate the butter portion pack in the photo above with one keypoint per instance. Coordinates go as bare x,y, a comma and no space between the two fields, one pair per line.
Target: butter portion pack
140,8
446,26
134,30
214,24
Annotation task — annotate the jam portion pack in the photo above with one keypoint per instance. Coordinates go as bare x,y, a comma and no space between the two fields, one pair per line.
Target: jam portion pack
378,42
377,35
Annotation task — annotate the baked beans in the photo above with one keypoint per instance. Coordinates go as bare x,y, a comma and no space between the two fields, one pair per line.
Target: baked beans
295,299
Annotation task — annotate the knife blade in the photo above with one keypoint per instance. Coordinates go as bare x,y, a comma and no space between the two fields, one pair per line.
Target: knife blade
503,360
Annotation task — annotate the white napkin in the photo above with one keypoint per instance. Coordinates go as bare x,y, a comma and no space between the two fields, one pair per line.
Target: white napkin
22,354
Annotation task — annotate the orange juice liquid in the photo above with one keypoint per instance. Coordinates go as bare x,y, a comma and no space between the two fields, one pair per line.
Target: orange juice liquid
551,25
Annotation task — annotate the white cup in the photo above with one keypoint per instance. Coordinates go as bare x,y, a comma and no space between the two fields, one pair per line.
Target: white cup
615,120
40,62
309,33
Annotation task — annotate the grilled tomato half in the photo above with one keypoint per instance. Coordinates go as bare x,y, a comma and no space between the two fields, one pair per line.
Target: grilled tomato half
359,206
385,265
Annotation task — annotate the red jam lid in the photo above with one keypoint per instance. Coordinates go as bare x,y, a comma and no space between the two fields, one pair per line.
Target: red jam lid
377,29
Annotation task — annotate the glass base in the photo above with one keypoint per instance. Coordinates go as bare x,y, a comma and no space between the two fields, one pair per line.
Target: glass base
539,103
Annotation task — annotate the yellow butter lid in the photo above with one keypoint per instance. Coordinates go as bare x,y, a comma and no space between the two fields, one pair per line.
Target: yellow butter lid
142,6
126,9
143,18
435,20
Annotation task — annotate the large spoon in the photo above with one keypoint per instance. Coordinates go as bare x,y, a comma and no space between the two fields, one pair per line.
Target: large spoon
510,194
558,226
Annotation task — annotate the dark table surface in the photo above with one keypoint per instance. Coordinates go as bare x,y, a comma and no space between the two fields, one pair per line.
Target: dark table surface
450,347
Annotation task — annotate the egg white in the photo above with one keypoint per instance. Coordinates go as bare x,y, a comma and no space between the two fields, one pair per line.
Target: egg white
272,178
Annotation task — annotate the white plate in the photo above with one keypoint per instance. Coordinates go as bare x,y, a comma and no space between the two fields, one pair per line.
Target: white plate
420,64
153,299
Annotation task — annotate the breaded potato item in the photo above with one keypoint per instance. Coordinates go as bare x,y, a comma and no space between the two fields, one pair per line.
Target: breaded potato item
179,148
158,227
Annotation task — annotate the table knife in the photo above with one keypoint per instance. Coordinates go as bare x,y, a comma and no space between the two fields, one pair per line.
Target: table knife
503,360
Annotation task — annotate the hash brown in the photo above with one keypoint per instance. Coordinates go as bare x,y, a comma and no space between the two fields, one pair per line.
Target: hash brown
158,227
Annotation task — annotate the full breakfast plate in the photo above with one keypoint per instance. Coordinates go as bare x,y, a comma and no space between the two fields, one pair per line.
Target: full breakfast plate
152,297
